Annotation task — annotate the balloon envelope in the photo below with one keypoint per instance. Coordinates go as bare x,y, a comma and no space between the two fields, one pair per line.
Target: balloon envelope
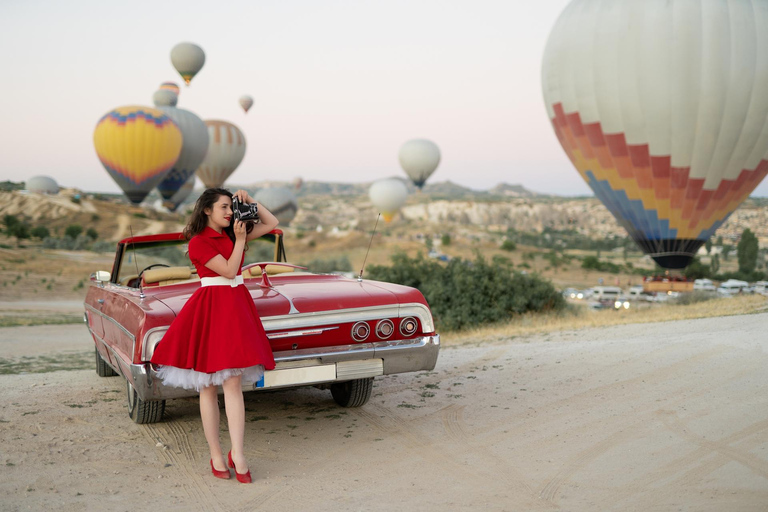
280,201
226,149
165,98
662,109
137,146
171,86
180,195
193,149
388,196
419,159
188,59
246,102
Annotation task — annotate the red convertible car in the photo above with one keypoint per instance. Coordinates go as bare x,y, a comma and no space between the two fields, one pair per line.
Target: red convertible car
325,330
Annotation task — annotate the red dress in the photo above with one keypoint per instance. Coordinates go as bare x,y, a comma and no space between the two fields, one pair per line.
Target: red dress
218,333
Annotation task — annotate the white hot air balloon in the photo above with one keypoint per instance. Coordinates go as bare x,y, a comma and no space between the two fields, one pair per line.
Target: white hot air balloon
188,59
165,98
226,149
280,201
246,102
42,185
419,159
388,196
194,146
662,107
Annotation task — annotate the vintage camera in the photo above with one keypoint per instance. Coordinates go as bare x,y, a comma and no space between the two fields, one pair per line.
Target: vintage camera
244,212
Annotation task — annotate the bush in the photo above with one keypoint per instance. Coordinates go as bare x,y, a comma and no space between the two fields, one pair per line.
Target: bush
684,299
508,245
73,230
445,240
326,266
464,294
92,234
40,232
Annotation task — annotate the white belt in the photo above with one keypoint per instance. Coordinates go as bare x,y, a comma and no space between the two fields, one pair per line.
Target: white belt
221,281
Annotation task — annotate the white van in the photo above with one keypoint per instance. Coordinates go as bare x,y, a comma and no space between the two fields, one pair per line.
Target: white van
761,287
704,285
732,287
606,293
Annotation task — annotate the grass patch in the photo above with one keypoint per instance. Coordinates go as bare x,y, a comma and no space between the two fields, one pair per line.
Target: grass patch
576,317
64,361
26,319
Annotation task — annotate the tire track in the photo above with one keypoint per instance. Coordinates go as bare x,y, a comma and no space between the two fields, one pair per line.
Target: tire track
191,481
453,422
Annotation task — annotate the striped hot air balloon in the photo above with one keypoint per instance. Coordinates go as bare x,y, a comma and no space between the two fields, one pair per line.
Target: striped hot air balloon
226,149
170,86
137,146
662,107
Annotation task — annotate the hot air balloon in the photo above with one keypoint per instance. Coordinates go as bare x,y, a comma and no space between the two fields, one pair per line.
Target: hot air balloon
246,102
188,59
170,86
226,149
180,195
419,159
280,201
165,98
193,149
388,196
137,146
662,109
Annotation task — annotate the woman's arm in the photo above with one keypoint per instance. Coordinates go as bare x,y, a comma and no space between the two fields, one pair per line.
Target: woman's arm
267,223
229,268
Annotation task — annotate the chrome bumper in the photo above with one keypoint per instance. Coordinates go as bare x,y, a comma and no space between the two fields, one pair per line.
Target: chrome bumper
314,366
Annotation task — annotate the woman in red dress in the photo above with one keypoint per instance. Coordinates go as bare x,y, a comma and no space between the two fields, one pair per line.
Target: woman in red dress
217,339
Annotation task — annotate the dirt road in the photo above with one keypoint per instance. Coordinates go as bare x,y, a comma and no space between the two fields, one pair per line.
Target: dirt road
669,416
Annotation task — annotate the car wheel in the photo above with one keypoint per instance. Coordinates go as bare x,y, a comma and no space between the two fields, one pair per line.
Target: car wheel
102,368
142,411
353,393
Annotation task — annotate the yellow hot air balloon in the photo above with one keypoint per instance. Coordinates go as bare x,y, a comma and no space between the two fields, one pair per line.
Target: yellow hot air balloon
137,146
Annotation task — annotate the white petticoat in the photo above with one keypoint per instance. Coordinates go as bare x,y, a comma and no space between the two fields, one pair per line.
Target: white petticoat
191,379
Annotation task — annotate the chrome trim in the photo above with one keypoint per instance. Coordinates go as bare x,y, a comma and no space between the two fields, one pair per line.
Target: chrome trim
384,321
107,317
404,321
145,354
320,318
397,356
351,370
109,348
357,337
308,332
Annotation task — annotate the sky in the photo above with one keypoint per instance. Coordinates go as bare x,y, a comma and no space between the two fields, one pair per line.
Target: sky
338,86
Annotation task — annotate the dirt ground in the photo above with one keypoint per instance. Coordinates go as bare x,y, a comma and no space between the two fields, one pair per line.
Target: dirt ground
666,416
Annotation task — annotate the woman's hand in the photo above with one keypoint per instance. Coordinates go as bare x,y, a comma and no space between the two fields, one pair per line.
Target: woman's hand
239,228
243,197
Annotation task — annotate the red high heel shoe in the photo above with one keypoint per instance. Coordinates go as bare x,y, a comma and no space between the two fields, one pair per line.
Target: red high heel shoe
220,474
244,478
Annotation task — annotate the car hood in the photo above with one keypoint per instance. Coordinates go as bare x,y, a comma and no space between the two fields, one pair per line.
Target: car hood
309,293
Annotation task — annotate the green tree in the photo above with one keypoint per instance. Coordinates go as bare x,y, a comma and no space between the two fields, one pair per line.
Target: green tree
508,245
696,270
92,234
746,251
708,245
726,251
73,230
445,240
16,228
40,232
714,264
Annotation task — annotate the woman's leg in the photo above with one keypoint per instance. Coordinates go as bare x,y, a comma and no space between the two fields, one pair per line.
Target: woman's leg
235,407
209,412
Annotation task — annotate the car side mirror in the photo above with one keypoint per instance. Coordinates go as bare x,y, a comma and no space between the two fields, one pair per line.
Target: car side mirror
101,276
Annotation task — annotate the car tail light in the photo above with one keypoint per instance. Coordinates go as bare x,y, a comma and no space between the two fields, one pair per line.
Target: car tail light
384,328
408,326
360,331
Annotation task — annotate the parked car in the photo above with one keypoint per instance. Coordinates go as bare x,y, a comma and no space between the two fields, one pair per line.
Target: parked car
704,285
761,287
328,331
733,287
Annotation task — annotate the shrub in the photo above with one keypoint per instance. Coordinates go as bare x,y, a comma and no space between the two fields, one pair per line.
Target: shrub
92,234
40,232
73,230
684,299
445,240
508,245
464,294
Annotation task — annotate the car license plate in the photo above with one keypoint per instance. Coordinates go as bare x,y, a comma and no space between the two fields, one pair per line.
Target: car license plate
297,376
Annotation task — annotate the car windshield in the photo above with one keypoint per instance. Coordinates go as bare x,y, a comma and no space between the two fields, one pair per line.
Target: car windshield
173,253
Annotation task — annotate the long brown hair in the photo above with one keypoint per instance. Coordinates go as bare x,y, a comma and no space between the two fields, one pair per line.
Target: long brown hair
199,220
